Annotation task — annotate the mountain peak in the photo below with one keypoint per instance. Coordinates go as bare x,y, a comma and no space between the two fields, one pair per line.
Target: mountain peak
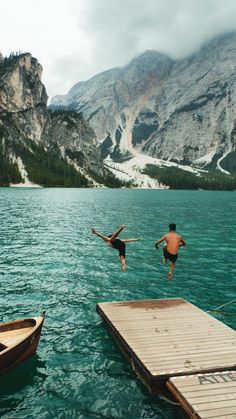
149,55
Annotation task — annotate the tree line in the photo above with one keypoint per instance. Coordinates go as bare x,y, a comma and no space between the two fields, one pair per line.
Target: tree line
177,178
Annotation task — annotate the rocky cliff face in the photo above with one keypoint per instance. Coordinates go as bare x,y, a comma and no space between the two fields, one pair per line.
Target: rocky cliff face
37,145
112,100
196,108
76,140
23,98
182,111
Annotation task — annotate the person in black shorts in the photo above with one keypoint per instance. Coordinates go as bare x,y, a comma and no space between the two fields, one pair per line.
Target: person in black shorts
117,244
169,256
170,250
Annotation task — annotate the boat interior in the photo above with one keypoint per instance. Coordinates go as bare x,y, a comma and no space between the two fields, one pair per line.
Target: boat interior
11,333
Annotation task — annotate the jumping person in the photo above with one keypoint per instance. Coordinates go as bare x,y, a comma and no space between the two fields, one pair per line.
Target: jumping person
170,250
115,243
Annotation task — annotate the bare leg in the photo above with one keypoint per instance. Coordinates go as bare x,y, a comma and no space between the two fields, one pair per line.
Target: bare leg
123,263
117,232
170,274
164,257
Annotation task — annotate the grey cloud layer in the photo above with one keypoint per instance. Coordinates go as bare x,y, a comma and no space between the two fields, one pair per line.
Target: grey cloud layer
177,27
121,29
75,39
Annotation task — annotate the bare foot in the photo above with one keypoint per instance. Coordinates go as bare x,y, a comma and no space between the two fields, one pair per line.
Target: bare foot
164,261
123,268
170,276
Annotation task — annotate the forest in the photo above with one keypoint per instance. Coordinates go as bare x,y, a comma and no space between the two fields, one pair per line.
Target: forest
177,178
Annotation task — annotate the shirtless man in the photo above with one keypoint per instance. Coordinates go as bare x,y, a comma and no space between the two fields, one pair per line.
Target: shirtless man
170,250
115,243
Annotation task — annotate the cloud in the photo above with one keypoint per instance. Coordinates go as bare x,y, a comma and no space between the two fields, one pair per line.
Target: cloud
74,39
176,27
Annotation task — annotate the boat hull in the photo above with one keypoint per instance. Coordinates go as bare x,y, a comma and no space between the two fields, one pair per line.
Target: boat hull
12,356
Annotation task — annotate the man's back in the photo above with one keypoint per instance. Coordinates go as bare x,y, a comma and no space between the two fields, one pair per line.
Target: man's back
173,242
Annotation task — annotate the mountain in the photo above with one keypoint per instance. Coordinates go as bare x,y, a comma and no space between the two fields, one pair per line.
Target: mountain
112,100
180,112
155,122
40,146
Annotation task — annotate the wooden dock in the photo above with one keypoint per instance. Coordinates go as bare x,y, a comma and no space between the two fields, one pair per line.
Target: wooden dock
206,396
171,338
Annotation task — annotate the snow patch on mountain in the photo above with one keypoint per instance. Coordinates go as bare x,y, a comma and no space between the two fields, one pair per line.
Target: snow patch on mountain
131,170
23,172
219,166
205,159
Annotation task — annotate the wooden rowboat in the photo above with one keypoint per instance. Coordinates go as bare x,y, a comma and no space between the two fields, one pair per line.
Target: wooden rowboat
18,341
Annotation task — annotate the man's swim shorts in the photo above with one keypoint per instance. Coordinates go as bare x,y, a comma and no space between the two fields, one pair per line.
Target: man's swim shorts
119,245
173,258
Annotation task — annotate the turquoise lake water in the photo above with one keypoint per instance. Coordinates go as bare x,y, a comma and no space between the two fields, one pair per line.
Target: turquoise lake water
50,261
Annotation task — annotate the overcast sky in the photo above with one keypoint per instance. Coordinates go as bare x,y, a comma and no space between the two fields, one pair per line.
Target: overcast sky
75,39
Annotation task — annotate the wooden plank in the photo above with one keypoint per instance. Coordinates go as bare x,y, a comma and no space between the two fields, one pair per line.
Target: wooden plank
224,413
191,390
215,405
184,345
157,341
157,332
167,333
187,383
205,392
156,349
183,369
152,325
190,363
134,319
193,359
133,314
169,320
178,354
164,303
211,398
197,337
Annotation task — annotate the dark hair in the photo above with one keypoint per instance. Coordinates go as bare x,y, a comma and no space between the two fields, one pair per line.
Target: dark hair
172,227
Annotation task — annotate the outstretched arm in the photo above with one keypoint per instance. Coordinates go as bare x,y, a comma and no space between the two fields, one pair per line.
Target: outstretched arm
132,240
159,241
117,232
182,242
105,238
